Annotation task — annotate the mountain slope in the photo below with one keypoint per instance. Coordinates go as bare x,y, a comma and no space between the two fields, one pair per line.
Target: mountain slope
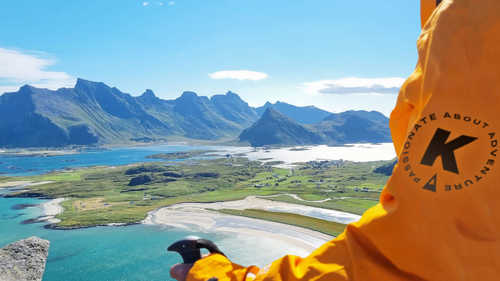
94,113
274,128
233,108
301,114
199,118
23,124
355,127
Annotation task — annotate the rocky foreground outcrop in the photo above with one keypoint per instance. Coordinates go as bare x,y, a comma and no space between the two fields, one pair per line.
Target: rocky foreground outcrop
24,260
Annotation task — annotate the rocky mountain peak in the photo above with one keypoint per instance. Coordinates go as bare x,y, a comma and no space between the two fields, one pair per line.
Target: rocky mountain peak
188,95
149,93
274,128
83,84
232,94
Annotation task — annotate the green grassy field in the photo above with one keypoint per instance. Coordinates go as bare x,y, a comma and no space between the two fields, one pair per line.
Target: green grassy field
349,205
323,226
124,194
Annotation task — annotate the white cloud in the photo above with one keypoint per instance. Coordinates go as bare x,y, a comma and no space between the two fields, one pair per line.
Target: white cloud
238,75
18,68
157,3
353,85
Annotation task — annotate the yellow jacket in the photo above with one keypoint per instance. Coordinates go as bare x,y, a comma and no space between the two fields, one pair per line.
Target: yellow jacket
439,214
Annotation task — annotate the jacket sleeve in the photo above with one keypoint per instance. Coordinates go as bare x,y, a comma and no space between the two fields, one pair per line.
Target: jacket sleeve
438,215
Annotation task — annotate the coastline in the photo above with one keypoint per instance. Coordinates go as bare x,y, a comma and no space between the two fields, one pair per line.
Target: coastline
21,184
50,210
12,184
201,220
204,217
37,152
260,203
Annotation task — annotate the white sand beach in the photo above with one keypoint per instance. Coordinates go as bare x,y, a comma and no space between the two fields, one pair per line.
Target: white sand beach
11,184
14,184
51,209
44,153
255,202
37,183
197,217
303,241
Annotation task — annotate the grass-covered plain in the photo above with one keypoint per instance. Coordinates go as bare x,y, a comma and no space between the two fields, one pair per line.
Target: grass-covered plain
124,194
323,226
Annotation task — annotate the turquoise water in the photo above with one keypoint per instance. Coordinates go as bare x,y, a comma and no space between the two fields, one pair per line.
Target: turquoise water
33,165
128,253
101,253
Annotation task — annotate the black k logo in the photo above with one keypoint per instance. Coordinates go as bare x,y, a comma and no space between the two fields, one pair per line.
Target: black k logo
439,147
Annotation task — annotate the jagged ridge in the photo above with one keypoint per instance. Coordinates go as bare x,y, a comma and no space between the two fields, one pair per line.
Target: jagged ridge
93,113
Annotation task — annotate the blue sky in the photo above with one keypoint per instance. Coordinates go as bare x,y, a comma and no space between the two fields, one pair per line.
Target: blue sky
334,54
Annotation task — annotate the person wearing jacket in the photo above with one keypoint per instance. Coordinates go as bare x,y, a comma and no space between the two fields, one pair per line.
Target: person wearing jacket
439,214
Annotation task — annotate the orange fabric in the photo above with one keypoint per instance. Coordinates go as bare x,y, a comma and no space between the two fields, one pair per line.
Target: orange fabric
439,214
426,9
220,267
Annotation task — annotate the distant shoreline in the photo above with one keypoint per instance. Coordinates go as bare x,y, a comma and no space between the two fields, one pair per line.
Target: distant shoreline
38,152
65,150
68,150
21,184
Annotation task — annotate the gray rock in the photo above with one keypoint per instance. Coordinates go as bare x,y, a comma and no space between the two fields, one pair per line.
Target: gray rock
24,260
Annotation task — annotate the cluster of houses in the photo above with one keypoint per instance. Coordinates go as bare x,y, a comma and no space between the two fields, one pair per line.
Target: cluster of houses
324,164
364,189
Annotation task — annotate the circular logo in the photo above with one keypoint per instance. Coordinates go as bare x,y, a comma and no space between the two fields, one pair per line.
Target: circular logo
447,152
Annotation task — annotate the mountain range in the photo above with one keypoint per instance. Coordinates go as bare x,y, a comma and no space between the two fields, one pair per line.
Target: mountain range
93,113
275,128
